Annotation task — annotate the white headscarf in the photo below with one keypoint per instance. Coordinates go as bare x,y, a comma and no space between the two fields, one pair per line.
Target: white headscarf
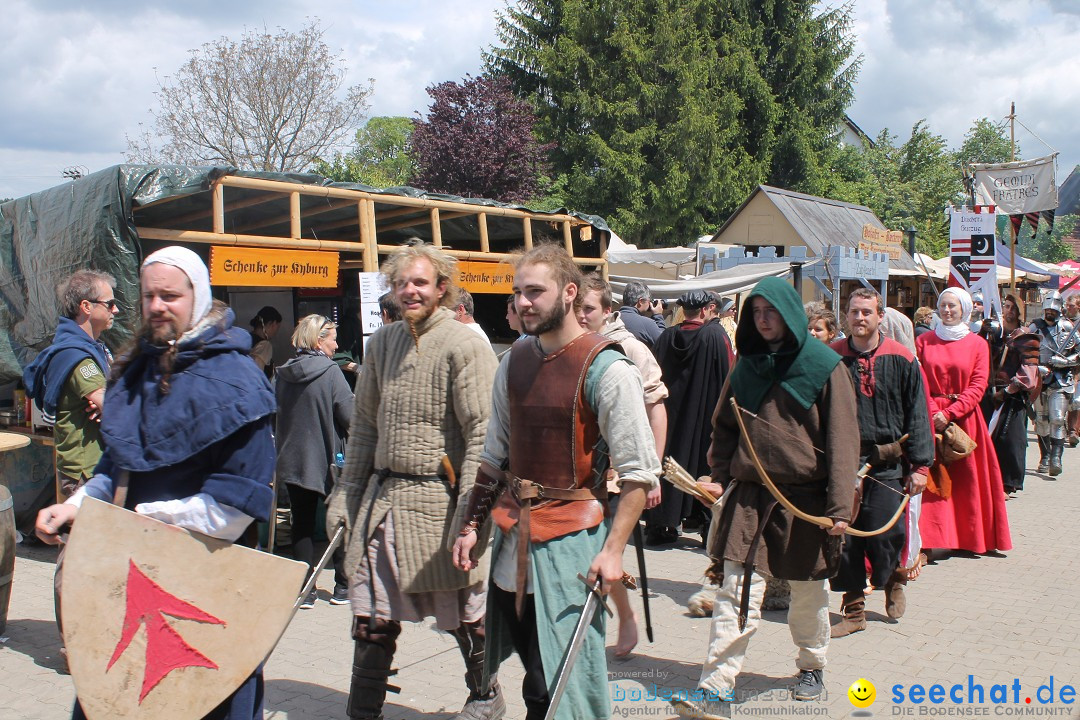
192,266
955,332
897,326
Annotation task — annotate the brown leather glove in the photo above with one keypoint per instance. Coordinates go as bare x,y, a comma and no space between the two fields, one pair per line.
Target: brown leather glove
885,454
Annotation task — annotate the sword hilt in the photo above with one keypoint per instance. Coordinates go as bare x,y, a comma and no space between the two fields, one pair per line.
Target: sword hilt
594,588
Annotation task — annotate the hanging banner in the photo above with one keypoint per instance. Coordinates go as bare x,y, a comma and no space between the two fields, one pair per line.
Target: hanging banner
1017,188
971,245
260,267
486,277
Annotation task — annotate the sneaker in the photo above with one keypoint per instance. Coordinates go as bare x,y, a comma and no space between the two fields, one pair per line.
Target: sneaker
493,707
702,709
809,685
309,601
340,596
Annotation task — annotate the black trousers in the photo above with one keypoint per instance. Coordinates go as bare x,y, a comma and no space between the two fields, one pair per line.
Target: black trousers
534,689
879,503
305,504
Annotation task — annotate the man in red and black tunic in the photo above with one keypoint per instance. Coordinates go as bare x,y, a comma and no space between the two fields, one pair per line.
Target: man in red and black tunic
892,403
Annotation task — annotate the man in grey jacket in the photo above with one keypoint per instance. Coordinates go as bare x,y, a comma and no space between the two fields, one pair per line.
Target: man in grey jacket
643,316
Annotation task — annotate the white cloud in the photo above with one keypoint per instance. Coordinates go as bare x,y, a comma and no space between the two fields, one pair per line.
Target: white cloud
952,62
78,76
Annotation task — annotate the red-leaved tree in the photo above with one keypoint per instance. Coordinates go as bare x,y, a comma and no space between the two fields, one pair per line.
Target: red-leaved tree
477,141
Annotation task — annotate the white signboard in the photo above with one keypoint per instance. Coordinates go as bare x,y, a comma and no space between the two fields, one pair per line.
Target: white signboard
963,224
372,287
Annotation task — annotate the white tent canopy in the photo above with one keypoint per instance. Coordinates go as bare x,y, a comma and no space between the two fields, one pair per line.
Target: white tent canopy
621,252
726,282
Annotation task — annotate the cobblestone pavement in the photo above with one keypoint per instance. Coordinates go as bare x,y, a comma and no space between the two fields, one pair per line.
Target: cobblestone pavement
972,621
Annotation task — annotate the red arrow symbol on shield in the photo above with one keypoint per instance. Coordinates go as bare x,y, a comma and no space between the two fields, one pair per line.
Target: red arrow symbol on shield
166,650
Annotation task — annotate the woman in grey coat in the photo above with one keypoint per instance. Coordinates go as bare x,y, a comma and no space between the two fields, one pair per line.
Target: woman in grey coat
314,409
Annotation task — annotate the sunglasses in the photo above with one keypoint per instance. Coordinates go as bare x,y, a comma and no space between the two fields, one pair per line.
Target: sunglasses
111,304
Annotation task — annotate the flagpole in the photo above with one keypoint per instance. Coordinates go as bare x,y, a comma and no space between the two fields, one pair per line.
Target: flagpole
1012,229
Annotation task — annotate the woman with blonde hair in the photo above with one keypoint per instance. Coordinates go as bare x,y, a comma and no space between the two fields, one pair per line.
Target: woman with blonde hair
964,508
314,410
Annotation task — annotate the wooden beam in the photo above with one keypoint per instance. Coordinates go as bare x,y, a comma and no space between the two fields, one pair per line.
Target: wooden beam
229,207
217,206
481,220
294,214
526,225
413,222
308,212
492,256
606,270
568,241
436,228
399,200
197,236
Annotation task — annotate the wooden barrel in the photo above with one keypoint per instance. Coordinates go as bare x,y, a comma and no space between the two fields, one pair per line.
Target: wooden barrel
7,551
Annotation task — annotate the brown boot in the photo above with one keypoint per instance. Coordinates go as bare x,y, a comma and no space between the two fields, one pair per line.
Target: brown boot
895,600
853,607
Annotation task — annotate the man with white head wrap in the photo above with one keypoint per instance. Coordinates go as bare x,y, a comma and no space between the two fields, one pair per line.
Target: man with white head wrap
187,424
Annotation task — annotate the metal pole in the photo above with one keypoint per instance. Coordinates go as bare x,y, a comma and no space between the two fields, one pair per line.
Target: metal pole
1012,233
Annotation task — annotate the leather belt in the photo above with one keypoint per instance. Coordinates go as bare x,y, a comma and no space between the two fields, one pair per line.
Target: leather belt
951,396
387,473
525,491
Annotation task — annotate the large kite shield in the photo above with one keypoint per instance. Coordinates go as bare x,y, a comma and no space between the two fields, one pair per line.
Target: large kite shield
163,623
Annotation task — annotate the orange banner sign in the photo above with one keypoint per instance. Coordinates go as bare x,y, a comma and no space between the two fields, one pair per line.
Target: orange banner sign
273,268
486,277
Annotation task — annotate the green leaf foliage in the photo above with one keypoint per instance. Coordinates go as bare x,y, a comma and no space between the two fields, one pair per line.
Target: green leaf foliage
667,113
381,157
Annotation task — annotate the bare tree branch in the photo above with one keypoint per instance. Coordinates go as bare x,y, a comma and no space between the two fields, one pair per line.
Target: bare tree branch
268,102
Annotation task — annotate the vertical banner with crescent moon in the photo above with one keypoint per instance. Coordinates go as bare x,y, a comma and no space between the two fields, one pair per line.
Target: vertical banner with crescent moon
973,256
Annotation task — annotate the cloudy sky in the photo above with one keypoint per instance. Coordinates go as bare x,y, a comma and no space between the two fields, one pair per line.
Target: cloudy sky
78,76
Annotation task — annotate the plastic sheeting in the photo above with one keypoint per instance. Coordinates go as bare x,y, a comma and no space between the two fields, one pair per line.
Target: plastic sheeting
726,282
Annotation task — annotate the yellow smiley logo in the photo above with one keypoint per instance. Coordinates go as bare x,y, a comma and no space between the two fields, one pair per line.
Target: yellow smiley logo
862,693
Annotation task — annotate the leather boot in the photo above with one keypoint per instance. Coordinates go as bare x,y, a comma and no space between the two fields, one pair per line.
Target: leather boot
895,600
486,701
853,607
376,641
1057,447
1044,454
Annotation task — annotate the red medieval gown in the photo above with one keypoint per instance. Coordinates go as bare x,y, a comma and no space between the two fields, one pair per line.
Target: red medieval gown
973,518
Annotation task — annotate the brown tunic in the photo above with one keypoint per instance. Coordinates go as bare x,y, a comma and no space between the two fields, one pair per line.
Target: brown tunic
818,481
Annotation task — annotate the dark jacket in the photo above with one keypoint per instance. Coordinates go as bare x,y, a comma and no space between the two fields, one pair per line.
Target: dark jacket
46,375
210,433
645,329
314,409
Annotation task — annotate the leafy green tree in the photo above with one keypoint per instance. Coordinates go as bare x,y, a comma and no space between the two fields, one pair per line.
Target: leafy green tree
381,157
1047,246
985,142
667,113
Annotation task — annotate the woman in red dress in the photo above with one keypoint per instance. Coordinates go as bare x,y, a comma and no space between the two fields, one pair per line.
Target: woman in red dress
956,363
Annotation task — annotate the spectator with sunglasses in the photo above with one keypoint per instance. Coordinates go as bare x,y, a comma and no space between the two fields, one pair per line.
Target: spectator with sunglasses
67,380
314,410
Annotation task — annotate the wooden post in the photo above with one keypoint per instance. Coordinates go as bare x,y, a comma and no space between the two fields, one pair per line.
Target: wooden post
436,228
373,239
482,220
526,225
568,241
218,207
605,271
294,215
365,233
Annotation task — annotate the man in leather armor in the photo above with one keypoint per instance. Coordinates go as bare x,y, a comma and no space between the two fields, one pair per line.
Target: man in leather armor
1058,361
566,403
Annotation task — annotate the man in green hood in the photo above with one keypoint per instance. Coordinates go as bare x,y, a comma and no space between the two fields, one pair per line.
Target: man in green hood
797,403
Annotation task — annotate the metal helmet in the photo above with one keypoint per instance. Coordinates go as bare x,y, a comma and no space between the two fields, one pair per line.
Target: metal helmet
1052,301
990,328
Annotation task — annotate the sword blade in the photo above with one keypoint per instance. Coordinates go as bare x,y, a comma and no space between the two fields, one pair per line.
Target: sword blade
639,546
310,584
562,677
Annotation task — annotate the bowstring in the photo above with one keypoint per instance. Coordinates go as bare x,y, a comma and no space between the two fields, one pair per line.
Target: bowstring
804,442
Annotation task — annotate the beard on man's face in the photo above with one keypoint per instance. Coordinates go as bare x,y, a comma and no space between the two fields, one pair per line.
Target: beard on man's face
162,333
545,322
